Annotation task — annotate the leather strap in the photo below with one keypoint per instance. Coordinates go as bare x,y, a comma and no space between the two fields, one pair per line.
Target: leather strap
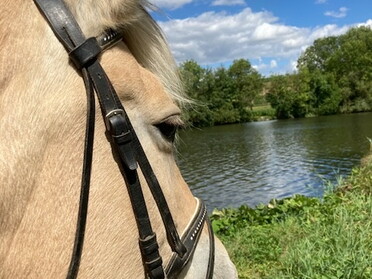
85,182
212,250
84,53
190,239
109,103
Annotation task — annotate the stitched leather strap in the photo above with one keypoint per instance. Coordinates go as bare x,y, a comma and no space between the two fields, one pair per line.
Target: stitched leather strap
190,239
125,143
110,102
84,54
212,250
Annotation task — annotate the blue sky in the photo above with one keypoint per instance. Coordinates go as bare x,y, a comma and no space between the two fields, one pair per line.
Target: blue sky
271,34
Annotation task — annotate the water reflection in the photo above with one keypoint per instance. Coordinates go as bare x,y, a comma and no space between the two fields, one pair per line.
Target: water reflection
255,162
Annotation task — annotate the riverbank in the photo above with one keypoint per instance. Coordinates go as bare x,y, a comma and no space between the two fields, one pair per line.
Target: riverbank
266,112
263,113
302,237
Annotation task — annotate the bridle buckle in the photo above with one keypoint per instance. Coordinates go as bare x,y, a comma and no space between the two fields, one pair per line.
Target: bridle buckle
111,114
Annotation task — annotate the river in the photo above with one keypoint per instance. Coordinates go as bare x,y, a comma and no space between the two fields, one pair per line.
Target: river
251,163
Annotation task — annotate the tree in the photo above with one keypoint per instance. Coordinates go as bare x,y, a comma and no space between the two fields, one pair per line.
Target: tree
289,95
246,85
225,96
341,68
198,83
326,96
317,57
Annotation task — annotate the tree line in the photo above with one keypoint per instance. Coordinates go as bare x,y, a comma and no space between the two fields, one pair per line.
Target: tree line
334,76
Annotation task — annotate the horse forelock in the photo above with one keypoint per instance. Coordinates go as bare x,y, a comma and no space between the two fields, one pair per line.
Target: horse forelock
141,34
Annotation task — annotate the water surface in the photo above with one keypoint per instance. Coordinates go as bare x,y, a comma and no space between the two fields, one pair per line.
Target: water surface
251,163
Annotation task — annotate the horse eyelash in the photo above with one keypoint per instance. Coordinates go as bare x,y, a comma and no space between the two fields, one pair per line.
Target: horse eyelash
169,127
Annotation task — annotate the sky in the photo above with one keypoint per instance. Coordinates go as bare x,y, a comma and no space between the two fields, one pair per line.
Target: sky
271,34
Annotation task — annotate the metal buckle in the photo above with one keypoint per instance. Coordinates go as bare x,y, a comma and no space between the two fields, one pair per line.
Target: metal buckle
111,114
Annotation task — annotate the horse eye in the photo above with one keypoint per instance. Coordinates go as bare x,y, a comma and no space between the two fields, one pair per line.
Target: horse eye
169,127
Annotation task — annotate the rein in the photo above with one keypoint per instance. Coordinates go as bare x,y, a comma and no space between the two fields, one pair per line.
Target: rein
128,151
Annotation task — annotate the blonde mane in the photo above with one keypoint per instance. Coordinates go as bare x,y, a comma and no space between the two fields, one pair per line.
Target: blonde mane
148,45
141,33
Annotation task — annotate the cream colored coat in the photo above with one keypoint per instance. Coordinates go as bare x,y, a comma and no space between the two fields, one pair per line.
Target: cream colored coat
42,122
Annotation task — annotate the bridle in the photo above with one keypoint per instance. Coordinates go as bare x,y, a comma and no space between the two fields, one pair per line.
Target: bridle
128,154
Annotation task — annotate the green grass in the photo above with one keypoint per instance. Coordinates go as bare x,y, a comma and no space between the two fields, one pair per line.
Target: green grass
302,237
263,112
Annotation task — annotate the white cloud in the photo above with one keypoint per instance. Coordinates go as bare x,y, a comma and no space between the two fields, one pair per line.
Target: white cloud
273,64
219,37
170,4
292,66
267,67
260,67
321,1
342,12
228,2
214,38
327,30
368,23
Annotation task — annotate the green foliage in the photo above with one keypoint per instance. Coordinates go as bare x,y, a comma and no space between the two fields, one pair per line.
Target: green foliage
228,221
263,112
317,56
340,71
335,76
303,237
289,95
223,95
360,179
336,247
326,96
199,85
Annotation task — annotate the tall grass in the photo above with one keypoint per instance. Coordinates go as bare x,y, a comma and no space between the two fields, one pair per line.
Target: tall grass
339,246
263,112
303,237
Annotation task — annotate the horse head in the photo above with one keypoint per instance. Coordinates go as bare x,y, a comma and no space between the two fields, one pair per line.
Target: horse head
42,122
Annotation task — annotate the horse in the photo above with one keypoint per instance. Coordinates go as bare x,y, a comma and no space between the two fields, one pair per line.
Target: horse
42,123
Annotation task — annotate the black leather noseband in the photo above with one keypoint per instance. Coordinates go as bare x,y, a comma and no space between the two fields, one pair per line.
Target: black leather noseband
129,153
